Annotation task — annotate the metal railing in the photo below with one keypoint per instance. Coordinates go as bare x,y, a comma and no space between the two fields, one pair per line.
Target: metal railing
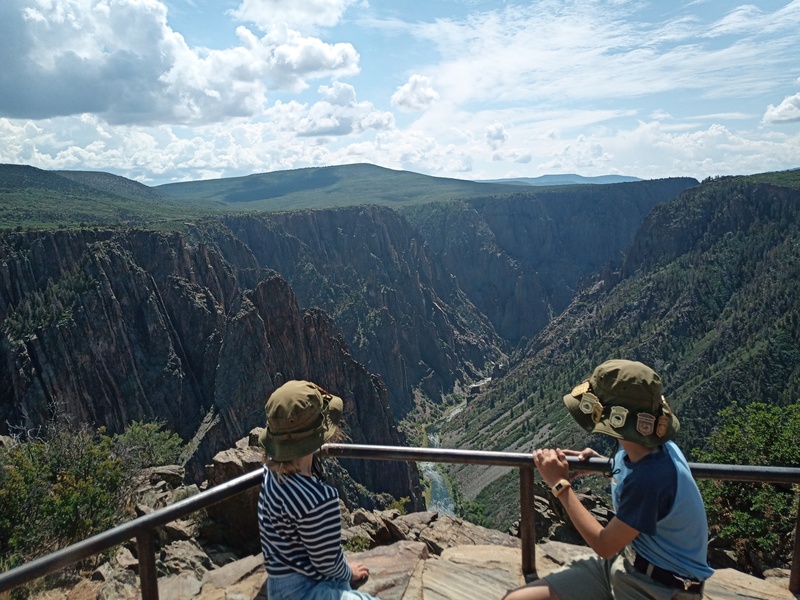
144,528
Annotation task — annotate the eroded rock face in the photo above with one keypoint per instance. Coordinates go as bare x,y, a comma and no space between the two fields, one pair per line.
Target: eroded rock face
403,315
112,327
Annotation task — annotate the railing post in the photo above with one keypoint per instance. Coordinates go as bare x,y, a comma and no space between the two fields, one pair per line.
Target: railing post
148,578
527,523
794,574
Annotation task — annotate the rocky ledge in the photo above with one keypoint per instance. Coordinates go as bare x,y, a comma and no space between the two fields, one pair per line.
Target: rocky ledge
424,556
415,556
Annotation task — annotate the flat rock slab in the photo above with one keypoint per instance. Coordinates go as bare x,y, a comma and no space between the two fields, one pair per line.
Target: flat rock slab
730,584
407,571
391,568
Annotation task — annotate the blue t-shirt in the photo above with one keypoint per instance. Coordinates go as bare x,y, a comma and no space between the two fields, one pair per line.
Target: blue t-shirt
659,498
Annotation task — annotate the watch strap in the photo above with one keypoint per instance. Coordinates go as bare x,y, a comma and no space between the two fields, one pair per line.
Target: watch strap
559,487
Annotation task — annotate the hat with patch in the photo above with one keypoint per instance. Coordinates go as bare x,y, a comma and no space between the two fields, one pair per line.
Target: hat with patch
301,416
623,399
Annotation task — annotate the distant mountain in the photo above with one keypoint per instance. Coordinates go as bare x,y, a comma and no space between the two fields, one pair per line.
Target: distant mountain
31,197
116,185
565,179
327,187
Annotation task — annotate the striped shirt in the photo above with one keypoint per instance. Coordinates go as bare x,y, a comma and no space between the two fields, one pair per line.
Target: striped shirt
300,527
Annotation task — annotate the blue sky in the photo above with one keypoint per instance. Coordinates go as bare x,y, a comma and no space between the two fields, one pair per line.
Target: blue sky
175,90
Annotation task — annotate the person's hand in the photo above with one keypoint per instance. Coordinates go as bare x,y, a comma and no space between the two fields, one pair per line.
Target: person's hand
551,464
360,572
584,454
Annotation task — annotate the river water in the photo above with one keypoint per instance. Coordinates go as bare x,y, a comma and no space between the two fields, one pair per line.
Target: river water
440,498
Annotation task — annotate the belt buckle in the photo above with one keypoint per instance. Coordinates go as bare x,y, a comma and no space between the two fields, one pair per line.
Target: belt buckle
687,583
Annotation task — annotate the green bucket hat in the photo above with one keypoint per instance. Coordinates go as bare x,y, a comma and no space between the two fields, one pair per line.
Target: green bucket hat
623,399
301,416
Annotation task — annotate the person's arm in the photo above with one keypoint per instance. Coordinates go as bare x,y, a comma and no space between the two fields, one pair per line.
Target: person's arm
605,541
320,532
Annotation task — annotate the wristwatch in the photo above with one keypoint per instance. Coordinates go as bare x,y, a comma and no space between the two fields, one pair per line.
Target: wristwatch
559,487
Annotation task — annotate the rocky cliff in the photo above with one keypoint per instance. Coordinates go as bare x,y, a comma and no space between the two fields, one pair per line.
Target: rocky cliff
402,314
107,328
521,258
706,294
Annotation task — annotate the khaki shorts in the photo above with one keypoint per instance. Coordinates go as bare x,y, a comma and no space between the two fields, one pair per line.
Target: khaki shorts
595,578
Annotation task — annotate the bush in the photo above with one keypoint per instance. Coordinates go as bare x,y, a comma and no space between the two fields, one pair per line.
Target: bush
756,519
68,484
56,490
147,445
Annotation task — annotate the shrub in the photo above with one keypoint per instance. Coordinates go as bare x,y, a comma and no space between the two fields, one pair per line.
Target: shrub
68,483
756,519
56,490
148,445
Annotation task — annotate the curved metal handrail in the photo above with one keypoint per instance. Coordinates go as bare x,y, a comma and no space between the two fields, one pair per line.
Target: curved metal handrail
142,528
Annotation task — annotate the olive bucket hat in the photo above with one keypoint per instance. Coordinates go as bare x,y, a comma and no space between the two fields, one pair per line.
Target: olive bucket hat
623,399
301,416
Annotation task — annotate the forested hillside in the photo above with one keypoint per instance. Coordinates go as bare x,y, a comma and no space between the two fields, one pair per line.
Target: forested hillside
706,294
521,257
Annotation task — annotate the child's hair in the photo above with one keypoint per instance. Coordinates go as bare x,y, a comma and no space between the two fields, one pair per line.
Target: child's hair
287,467
282,467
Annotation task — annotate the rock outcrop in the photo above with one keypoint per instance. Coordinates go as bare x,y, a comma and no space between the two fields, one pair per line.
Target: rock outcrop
402,314
521,258
414,556
109,328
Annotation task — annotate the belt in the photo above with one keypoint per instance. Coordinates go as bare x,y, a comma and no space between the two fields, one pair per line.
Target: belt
667,578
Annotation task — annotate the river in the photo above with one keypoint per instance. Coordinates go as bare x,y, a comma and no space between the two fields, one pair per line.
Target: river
440,498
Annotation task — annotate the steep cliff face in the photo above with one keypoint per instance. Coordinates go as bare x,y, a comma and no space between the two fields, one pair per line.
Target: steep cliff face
521,258
110,328
401,313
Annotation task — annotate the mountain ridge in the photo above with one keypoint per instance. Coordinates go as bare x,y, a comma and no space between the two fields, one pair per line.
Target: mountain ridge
104,199
563,179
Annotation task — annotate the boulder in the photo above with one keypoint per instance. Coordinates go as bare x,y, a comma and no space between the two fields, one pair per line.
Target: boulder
235,518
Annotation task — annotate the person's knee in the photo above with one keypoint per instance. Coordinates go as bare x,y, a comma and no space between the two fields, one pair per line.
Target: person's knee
538,590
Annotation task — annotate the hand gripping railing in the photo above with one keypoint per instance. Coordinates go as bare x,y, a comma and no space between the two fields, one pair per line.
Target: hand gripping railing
143,528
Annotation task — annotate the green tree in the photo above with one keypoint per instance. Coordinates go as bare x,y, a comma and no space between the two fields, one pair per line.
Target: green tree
756,519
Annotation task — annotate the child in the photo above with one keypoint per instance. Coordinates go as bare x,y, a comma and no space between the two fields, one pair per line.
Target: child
298,515
655,548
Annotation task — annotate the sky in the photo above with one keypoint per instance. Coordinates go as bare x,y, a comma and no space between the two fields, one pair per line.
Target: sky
161,91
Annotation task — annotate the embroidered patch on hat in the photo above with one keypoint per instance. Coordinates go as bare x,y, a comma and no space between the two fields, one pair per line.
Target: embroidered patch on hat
580,389
618,416
645,423
661,428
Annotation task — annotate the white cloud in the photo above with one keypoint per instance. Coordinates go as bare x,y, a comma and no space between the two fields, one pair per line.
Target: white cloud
554,52
495,135
121,60
416,94
301,15
787,111
337,114
589,87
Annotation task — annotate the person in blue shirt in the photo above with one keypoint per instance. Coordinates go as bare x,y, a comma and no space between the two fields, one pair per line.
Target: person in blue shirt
299,520
656,545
